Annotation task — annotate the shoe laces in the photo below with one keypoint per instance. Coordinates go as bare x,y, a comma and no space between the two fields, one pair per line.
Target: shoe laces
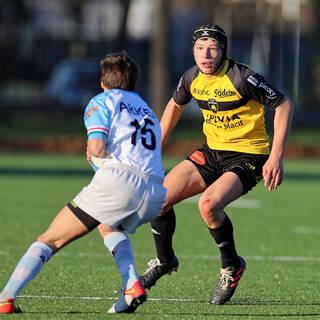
152,264
226,278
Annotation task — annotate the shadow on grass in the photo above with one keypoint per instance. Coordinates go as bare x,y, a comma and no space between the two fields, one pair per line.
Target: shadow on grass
302,176
227,311
5,171
245,315
45,172
272,303
228,307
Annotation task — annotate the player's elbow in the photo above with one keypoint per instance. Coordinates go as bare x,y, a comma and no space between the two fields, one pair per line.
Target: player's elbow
97,148
288,105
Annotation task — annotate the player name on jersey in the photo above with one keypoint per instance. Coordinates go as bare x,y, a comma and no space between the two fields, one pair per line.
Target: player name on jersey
136,111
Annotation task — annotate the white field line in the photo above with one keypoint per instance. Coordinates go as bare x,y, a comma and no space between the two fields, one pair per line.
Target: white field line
102,298
239,203
306,230
186,256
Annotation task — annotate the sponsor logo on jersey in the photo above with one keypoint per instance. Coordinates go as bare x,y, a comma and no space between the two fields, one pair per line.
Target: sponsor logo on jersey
223,93
253,80
271,93
198,157
233,125
201,92
224,122
221,119
90,111
136,111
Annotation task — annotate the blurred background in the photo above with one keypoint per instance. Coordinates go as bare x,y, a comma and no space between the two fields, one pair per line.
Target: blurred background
50,52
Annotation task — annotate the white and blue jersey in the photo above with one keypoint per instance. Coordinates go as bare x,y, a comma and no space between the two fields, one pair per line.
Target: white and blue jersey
129,127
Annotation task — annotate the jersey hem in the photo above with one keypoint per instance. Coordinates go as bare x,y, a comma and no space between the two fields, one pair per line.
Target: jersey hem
244,149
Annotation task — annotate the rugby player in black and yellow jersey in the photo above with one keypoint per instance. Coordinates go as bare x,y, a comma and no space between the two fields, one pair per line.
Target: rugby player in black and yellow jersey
234,158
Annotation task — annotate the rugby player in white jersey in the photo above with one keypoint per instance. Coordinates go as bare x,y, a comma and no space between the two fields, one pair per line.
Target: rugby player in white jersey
126,191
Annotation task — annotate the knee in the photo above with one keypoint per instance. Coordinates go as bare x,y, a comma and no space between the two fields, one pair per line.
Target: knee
209,210
206,208
52,243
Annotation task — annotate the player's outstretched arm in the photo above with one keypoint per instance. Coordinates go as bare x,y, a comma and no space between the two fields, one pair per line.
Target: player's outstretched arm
273,168
169,119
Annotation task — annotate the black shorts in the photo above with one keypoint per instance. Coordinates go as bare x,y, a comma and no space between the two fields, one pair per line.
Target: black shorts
211,164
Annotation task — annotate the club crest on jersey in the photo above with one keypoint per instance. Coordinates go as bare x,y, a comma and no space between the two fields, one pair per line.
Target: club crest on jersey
198,157
213,105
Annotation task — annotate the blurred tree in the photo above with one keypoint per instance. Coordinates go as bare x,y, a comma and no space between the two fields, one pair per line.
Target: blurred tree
77,44
158,64
13,17
121,42
316,56
260,47
76,6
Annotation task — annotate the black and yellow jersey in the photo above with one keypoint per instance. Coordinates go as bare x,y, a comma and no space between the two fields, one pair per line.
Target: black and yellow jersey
232,106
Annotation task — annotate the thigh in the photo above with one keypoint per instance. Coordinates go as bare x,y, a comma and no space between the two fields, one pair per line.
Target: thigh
224,190
248,167
64,228
182,182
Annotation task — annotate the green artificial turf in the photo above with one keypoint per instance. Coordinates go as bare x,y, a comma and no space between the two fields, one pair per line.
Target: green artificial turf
277,233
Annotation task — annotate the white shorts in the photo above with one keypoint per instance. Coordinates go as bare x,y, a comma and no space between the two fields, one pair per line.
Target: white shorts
119,195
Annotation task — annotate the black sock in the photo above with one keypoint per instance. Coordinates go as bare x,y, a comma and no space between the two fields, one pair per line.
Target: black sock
163,228
223,237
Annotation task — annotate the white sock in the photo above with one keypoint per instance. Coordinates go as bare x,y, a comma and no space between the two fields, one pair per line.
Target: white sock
120,247
27,268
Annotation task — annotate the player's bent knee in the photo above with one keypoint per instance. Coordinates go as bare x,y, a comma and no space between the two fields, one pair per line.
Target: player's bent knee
210,210
205,207
51,244
52,241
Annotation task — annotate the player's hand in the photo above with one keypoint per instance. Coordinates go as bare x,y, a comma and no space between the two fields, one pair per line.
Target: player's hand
272,173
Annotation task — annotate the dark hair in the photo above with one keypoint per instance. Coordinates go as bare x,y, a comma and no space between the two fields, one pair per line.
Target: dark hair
119,71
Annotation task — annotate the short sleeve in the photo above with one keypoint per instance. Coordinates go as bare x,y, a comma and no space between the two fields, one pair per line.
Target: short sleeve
182,94
254,86
97,118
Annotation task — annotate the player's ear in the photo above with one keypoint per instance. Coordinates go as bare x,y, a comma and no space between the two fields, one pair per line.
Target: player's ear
103,86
